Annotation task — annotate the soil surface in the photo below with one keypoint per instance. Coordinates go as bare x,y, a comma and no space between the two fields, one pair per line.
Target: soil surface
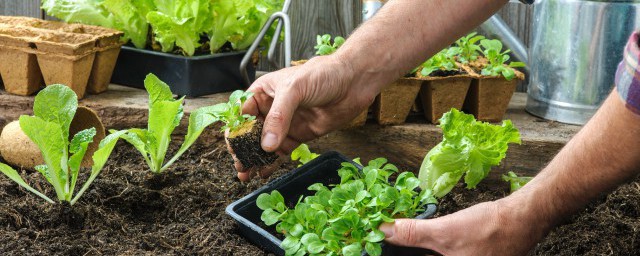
129,211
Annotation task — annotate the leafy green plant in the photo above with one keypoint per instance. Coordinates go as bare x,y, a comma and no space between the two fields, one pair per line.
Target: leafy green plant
165,114
344,220
230,113
324,45
468,47
515,181
181,23
443,60
492,50
469,148
302,154
54,108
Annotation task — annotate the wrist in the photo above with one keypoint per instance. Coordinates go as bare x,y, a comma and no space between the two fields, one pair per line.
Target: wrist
522,214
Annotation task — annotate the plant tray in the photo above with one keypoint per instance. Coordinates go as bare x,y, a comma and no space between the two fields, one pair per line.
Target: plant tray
190,76
293,185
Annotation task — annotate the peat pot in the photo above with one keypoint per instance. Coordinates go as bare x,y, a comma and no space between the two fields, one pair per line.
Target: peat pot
393,104
438,95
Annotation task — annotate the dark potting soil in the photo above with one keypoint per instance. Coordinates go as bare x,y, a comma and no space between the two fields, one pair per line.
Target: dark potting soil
127,210
443,73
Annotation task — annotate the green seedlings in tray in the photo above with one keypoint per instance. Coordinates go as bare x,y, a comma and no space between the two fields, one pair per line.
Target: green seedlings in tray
497,60
469,148
324,45
515,181
54,108
442,61
165,114
344,219
302,154
468,48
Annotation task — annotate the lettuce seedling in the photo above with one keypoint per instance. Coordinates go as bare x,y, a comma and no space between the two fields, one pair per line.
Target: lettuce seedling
302,154
498,60
165,114
468,47
515,181
344,220
230,113
324,45
54,108
444,61
469,148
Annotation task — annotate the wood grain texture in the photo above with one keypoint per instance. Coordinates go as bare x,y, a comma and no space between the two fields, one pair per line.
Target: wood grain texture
29,8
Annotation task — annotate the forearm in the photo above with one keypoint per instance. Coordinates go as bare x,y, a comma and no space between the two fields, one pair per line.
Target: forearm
605,153
405,33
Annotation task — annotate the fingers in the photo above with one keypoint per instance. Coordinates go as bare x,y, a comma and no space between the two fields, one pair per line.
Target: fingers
278,120
409,233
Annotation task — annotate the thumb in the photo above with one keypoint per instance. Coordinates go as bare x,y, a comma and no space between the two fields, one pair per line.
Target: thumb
278,120
408,233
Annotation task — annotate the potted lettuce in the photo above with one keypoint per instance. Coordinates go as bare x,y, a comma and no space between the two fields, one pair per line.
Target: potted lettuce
196,46
489,95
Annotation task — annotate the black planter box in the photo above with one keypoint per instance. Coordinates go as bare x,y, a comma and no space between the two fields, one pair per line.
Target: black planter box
190,76
292,185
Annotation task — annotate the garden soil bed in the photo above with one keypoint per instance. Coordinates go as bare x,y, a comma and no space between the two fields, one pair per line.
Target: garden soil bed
129,211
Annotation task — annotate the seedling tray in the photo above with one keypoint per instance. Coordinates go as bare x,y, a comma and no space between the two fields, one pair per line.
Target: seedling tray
292,185
190,76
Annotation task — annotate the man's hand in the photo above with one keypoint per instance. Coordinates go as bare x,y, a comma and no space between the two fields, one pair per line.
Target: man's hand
490,228
301,103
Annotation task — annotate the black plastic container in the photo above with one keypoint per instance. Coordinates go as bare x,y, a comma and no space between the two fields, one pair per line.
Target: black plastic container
292,185
190,76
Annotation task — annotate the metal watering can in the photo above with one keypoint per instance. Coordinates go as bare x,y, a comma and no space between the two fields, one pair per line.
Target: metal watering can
575,48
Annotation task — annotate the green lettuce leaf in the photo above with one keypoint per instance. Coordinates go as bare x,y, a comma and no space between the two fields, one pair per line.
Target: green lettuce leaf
88,12
77,149
130,17
469,148
13,175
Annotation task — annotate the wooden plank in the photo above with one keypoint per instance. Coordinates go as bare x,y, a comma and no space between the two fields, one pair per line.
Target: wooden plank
29,8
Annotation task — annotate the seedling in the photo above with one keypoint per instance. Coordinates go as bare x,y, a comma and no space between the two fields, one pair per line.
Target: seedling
54,108
469,148
324,45
302,154
344,220
515,181
497,60
442,61
165,114
468,48
245,132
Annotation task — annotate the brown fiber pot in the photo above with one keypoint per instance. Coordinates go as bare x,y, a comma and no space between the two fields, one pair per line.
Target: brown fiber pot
439,95
393,104
488,97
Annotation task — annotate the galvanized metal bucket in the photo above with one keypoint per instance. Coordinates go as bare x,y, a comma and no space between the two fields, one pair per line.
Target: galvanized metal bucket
575,48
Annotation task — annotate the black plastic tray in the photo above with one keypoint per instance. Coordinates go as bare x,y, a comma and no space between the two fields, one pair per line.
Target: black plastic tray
292,185
190,76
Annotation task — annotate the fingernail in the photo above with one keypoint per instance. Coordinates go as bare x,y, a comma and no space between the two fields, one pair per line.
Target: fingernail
269,141
387,229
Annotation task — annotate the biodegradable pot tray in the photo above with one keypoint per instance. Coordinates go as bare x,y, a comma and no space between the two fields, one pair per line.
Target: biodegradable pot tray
393,104
488,97
190,76
438,95
292,185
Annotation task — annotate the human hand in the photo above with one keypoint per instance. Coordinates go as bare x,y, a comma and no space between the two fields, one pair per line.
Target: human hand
317,97
490,228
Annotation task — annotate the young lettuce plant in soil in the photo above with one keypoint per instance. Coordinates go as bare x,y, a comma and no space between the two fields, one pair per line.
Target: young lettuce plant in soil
344,219
469,148
244,131
302,154
441,64
515,181
54,108
497,60
165,114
